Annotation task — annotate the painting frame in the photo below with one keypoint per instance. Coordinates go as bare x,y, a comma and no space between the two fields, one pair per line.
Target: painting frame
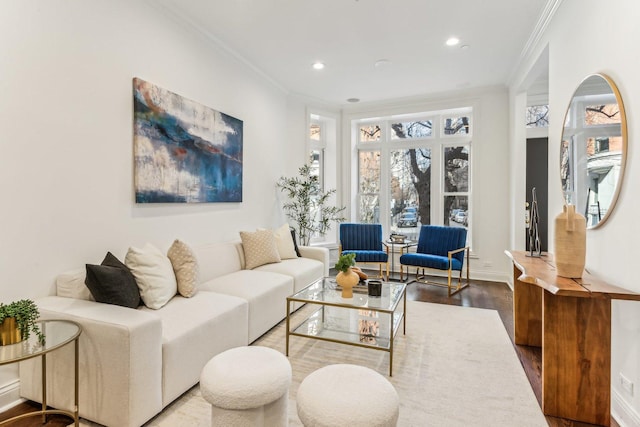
184,151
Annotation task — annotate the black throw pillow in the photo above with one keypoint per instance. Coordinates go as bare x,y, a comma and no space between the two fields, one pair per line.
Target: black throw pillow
112,283
295,242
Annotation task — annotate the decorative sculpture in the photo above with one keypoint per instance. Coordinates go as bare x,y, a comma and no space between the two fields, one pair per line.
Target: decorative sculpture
534,236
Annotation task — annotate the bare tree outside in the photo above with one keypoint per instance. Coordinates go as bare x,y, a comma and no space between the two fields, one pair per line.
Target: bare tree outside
409,171
537,116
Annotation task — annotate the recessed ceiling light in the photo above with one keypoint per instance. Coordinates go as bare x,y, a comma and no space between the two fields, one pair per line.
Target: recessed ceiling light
452,41
464,47
381,63
318,65
353,100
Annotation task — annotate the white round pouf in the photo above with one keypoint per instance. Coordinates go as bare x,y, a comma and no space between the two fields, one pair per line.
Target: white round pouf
247,386
347,395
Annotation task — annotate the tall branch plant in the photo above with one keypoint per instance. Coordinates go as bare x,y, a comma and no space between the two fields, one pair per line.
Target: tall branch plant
308,206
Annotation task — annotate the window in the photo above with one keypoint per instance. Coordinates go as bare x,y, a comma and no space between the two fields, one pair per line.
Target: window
537,116
456,186
369,186
414,170
321,156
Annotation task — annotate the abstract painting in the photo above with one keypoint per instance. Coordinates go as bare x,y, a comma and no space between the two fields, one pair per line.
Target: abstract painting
184,151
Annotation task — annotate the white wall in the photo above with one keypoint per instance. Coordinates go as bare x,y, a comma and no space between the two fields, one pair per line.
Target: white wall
585,37
489,168
66,164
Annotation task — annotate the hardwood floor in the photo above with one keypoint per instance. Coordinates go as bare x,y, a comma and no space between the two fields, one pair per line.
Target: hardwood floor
34,421
491,295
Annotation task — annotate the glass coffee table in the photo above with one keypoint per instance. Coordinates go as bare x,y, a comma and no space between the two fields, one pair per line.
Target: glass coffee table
363,321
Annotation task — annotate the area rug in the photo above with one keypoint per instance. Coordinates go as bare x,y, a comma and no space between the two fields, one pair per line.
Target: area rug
455,367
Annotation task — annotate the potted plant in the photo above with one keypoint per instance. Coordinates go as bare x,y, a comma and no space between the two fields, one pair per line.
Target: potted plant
18,321
346,277
308,205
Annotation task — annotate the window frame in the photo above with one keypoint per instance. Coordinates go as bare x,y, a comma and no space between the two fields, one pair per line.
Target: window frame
436,142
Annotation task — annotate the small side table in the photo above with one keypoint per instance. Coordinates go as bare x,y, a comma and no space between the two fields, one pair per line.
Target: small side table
403,246
58,333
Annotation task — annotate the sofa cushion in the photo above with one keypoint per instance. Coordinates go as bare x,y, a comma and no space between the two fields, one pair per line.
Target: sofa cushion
70,284
154,275
185,267
266,293
284,242
259,248
112,283
303,270
193,331
218,259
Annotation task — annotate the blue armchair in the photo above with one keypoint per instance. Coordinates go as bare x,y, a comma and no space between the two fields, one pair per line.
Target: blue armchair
365,240
441,248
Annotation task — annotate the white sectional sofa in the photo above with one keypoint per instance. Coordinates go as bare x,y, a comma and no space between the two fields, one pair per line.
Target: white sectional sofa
135,362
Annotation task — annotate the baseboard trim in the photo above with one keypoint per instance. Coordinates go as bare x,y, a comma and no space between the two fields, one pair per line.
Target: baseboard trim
10,395
623,412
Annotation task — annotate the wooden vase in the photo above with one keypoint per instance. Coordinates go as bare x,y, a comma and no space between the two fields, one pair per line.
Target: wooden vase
9,332
570,242
347,281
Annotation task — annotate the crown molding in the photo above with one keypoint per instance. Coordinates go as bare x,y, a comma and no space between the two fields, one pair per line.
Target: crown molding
541,26
181,18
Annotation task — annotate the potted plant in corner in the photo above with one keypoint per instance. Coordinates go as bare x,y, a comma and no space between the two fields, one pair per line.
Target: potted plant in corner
18,321
308,204
346,277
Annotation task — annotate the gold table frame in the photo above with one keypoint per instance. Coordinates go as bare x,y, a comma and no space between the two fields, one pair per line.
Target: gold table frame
31,348
324,294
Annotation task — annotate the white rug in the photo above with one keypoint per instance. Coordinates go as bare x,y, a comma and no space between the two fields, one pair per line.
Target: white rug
455,367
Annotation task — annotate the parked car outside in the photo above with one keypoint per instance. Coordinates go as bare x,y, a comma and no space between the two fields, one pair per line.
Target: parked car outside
461,217
408,219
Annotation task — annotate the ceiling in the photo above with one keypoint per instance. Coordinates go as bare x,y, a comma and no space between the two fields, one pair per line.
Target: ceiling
283,38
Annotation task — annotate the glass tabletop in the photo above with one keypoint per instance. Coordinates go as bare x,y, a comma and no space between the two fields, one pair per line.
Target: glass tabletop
57,333
324,291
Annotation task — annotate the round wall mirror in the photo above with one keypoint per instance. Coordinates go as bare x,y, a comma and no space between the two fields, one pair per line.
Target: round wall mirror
593,149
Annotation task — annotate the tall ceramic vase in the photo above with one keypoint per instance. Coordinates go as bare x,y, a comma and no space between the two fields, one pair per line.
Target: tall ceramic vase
347,281
570,242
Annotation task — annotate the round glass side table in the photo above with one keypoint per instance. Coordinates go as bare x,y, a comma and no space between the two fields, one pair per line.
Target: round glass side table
404,245
58,333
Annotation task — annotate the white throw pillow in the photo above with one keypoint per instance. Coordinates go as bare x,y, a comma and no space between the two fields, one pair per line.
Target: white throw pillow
284,242
185,266
259,248
154,275
70,284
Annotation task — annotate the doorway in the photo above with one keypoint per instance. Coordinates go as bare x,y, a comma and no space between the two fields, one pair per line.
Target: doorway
537,177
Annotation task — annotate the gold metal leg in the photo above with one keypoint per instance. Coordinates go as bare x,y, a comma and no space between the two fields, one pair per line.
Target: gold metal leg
391,339
404,318
288,322
76,417
44,388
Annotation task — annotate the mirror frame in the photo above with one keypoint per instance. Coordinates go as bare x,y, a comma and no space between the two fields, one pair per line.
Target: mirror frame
623,135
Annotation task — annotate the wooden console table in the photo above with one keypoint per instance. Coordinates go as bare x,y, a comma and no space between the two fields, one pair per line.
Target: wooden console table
571,320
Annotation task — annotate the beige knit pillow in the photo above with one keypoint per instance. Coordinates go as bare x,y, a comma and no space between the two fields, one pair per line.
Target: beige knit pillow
259,248
185,266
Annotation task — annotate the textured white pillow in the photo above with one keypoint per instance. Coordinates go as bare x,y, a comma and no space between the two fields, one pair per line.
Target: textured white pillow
185,266
259,248
70,284
154,275
284,242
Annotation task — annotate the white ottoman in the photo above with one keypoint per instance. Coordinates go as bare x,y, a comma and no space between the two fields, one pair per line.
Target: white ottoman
247,386
347,395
